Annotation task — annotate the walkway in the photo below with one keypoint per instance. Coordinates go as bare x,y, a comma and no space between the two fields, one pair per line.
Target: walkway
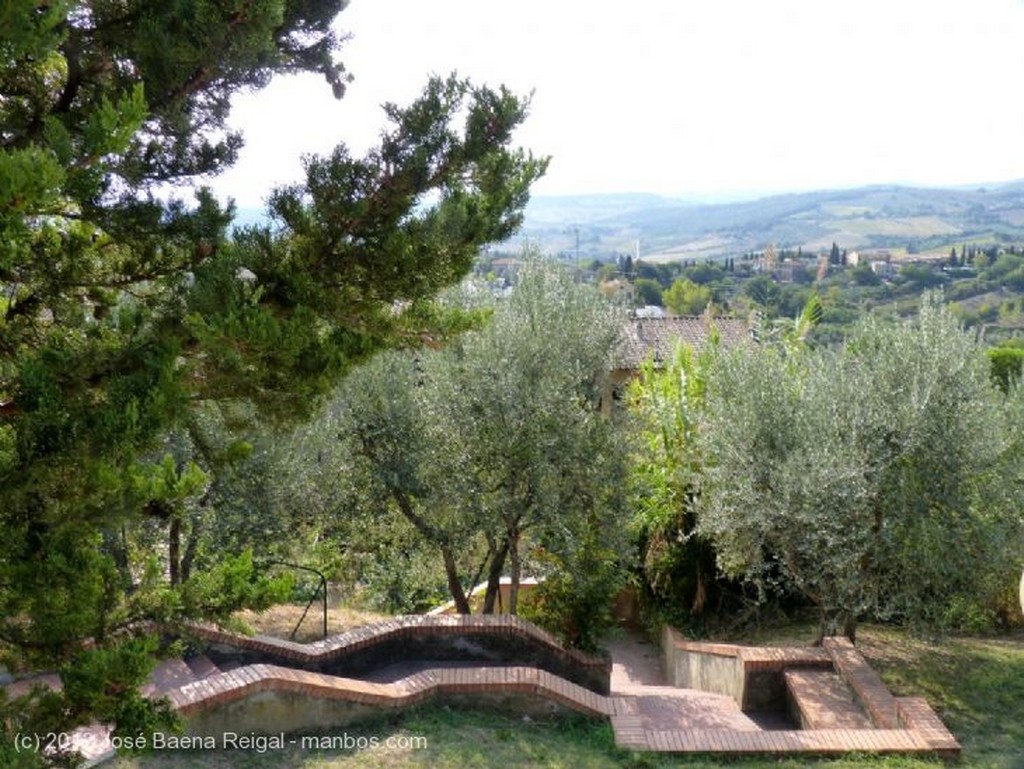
656,706
646,712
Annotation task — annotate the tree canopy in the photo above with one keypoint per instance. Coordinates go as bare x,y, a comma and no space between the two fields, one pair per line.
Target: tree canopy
493,448
124,308
874,478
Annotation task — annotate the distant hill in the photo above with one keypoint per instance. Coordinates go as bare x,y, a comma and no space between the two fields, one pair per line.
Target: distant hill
916,219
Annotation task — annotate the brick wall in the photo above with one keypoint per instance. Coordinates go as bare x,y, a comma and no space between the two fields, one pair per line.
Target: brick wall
487,639
750,675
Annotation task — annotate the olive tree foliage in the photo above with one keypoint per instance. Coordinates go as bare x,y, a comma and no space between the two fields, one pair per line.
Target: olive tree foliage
877,478
492,447
667,402
126,313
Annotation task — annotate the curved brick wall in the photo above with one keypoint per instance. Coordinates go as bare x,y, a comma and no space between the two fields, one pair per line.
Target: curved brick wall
270,698
493,640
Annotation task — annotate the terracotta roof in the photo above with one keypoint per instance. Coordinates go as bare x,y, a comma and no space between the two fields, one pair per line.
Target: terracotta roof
658,337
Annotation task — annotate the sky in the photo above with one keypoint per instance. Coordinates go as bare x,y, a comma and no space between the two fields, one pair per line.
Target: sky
698,99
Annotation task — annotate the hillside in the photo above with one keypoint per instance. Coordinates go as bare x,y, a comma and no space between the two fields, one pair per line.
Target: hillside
868,217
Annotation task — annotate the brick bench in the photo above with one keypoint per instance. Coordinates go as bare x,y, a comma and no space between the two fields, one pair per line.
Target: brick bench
870,690
486,639
819,699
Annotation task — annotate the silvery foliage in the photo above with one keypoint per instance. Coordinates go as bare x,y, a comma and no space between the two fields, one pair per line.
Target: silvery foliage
877,478
496,436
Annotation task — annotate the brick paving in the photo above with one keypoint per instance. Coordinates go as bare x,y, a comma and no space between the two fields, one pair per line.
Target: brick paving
821,699
846,706
637,674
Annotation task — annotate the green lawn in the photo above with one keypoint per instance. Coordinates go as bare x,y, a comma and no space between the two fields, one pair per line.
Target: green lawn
975,684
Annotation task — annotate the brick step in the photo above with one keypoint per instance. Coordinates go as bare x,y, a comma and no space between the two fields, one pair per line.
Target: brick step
867,686
168,675
202,666
832,742
821,699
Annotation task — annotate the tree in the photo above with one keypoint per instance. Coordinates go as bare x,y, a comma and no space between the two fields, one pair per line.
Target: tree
704,273
923,276
493,447
123,312
677,565
627,266
765,292
833,255
863,275
649,291
541,456
873,479
1007,364
684,297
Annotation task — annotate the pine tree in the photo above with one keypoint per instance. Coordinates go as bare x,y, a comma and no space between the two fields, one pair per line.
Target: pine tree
121,312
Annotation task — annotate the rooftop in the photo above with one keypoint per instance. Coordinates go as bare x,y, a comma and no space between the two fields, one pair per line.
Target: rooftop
658,337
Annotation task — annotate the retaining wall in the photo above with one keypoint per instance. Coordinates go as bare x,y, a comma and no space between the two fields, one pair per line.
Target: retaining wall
750,675
482,639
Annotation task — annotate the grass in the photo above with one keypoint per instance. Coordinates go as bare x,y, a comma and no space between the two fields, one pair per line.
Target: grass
279,621
975,684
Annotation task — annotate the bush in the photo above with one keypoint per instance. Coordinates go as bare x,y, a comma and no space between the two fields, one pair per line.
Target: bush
1006,365
574,602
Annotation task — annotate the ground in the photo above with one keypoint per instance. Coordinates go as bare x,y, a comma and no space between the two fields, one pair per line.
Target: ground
975,684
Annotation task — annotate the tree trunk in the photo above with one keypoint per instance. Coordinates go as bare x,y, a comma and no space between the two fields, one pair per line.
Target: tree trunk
494,577
454,584
191,546
514,569
174,550
405,506
850,628
117,545
830,623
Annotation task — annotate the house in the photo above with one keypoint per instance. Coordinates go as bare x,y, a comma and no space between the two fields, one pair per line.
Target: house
650,311
886,270
649,338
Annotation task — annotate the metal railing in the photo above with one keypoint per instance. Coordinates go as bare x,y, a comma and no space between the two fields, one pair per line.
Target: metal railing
321,590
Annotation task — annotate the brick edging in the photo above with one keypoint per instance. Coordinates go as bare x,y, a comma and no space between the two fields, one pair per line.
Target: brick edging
868,687
337,646
244,682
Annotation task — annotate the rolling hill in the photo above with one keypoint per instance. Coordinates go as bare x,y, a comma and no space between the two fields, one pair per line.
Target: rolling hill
867,217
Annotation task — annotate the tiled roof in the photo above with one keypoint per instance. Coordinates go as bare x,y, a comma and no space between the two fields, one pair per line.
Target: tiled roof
658,337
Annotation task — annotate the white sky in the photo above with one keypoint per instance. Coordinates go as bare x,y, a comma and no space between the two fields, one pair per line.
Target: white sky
682,97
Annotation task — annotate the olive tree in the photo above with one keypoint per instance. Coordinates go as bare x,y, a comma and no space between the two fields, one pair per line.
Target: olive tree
494,444
872,478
